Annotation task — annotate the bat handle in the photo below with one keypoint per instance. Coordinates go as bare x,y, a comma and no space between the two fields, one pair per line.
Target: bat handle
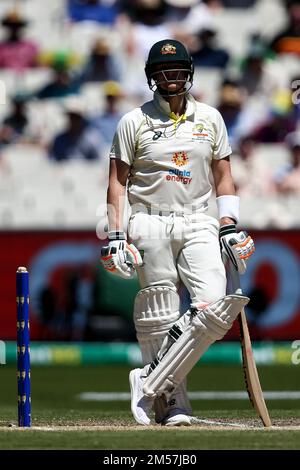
235,279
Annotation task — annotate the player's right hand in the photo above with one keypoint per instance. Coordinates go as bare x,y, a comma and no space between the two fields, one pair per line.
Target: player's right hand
120,258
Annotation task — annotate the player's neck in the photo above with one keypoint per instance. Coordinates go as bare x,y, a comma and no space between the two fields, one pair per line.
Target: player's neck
177,104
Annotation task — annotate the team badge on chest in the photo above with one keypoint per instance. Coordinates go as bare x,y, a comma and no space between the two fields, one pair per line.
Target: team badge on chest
202,132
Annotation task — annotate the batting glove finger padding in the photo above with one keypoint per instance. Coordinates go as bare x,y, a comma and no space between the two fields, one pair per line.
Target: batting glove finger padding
237,247
133,255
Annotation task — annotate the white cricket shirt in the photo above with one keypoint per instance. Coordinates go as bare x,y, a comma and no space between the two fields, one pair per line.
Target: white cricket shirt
170,157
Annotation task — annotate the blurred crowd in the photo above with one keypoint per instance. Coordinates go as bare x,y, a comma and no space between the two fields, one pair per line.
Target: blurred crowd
67,100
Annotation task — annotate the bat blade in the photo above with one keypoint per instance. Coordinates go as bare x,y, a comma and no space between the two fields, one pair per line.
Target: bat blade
250,372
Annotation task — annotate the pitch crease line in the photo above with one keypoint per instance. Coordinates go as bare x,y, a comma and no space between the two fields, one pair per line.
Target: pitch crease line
236,395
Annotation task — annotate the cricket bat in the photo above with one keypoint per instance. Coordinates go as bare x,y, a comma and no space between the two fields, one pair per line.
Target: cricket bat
250,371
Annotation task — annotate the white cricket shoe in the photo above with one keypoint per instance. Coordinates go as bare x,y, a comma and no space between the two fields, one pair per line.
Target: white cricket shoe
140,404
177,419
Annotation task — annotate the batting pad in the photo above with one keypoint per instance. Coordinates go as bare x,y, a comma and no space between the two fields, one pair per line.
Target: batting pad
156,309
194,335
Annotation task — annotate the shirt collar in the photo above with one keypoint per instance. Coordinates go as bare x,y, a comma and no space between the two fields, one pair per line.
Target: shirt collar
163,106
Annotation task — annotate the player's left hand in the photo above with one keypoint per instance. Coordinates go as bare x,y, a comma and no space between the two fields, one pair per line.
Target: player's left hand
237,247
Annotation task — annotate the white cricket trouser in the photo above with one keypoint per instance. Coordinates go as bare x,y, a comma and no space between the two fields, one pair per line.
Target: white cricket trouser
177,246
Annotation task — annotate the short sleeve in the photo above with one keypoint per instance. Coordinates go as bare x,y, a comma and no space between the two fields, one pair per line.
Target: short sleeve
123,145
222,147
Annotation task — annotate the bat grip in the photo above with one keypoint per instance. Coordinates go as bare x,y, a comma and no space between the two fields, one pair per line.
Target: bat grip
235,279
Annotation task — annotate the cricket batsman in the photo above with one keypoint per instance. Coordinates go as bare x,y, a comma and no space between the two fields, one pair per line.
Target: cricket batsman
162,155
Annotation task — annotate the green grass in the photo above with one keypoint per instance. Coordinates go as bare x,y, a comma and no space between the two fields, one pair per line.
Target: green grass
55,403
181,438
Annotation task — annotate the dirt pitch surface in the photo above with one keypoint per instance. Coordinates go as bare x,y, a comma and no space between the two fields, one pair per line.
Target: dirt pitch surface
199,424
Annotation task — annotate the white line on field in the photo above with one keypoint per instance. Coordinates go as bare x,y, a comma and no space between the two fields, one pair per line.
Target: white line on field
237,395
210,425
195,420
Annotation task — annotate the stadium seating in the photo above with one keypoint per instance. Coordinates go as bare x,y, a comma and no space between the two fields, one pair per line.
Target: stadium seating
35,192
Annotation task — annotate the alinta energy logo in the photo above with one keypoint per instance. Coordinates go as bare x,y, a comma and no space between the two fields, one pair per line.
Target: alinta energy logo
180,158
179,176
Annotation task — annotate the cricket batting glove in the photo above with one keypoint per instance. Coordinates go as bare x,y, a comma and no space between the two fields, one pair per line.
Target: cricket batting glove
237,247
119,257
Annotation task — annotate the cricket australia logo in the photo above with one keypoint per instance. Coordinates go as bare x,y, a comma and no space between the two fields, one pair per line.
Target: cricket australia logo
202,132
198,128
180,158
168,49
